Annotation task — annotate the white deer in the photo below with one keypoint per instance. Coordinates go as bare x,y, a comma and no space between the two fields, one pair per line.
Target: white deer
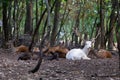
78,54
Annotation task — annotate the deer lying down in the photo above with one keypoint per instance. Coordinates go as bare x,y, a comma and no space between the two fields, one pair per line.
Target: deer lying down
104,54
78,54
56,52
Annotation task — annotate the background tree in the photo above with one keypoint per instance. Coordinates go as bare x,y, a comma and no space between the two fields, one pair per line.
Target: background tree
5,22
39,17
118,25
56,22
113,17
102,26
28,23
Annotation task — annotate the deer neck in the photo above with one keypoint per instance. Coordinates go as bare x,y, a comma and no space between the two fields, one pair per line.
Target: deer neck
86,50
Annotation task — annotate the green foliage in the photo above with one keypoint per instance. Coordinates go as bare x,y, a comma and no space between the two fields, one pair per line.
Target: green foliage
64,0
88,12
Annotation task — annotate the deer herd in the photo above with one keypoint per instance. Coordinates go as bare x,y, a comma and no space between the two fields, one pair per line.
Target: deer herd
59,51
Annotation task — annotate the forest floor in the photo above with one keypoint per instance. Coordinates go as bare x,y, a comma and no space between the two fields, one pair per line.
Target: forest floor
94,69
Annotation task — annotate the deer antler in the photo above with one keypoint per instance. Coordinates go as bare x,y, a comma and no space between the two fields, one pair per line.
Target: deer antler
97,35
93,39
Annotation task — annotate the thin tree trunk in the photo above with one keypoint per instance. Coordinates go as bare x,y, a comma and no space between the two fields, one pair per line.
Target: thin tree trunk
43,32
97,40
111,26
14,20
118,26
36,12
56,22
36,29
28,23
5,23
48,18
102,44
9,19
37,34
77,26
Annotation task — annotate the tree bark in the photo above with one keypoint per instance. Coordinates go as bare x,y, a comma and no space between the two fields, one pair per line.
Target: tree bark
9,19
37,34
56,22
111,25
5,23
77,26
36,29
98,39
48,18
118,26
28,23
45,24
102,43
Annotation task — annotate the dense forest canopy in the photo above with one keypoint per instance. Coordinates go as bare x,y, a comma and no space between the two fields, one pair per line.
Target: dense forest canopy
68,20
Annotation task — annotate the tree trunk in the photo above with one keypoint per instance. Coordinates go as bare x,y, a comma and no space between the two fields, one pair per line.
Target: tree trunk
45,24
36,29
118,36
97,40
111,26
28,23
56,22
15,33
5,23
9,19
77,27
118,26
37,34
48,19
102,43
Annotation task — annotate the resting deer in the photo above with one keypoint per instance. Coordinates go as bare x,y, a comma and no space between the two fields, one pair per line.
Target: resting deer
56,51
102,53
78,54
22,51
17,50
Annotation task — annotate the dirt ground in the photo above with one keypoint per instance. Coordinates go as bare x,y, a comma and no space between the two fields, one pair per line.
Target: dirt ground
94,69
